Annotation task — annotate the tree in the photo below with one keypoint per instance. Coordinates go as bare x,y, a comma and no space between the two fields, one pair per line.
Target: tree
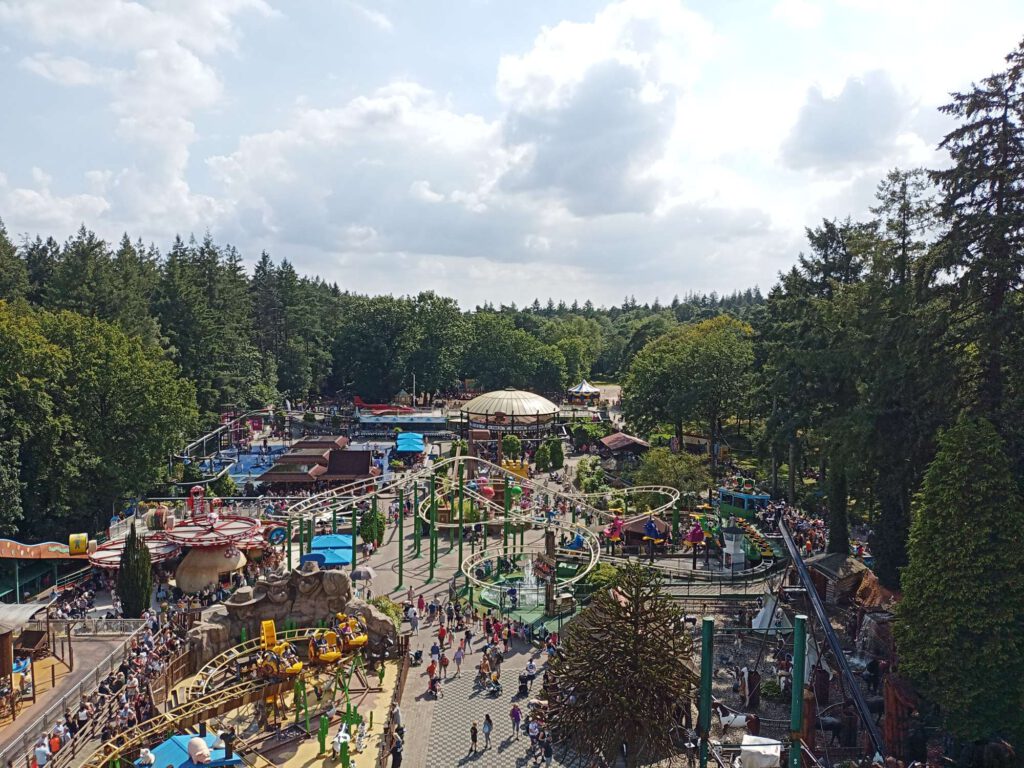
542,457
983,207
13,272
372,526
683,471
695,372
628,667
511,447
557,454
959,630
135,576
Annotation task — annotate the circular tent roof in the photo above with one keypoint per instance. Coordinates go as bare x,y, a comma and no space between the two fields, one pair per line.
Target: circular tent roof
510,406
109,554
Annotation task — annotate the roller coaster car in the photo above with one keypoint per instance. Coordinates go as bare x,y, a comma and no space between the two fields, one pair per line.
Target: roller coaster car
324,647
351,631
274,663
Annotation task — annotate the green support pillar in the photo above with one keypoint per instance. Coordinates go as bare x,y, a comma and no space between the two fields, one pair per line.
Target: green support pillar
416,531
288,543
431,558
504,522
462,499
401,536
312,533
472,510
796,712
17,582
707,670
334,520
302,536
355,533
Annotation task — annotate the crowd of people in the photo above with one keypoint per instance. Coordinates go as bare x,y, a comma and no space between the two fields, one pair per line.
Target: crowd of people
123,698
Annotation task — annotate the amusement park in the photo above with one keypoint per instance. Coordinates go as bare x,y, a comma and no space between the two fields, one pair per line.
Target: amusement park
397,579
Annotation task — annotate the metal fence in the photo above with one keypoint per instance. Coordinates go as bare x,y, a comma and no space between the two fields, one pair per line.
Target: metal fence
22,744
88,627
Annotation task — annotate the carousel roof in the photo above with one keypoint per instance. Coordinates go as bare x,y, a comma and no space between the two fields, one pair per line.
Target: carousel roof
511,403
207,533
584,388
108,555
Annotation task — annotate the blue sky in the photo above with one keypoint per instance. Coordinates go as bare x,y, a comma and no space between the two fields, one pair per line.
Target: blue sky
488,150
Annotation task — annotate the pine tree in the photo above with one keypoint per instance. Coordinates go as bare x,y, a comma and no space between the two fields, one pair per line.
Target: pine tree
13,273
135,576
628,668
557,454
959,631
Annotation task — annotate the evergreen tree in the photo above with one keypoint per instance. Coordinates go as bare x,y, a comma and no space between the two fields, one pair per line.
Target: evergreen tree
135,576
983,206
959,630
556,453
13,273
629,669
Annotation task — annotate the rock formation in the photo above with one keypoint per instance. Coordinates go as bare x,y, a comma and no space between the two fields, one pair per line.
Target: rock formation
304,598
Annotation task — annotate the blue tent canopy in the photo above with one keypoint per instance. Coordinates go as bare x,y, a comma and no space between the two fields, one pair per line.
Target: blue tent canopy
332,541
409,442
174,752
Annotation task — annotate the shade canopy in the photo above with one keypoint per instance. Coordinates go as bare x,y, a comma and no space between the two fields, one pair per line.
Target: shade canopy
505,406
410,442
584,388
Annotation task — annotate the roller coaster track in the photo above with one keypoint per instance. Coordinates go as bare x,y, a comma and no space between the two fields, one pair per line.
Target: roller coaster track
216,690
832,640
182,717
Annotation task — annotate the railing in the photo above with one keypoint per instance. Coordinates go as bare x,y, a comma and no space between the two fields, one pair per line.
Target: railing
22,744
88,627
72,579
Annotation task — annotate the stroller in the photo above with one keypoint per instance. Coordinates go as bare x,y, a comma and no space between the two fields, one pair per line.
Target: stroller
415,658
524,685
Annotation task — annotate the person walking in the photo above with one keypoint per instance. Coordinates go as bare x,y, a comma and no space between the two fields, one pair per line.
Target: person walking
459,656
442,633
488,727
414,621
444,664
516,716
472,738
396,753
435,652
548,750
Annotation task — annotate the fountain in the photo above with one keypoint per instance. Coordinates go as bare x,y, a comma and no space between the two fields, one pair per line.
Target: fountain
529,590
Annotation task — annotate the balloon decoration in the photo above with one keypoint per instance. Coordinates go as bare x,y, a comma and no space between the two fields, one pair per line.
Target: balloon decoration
487,491
516,490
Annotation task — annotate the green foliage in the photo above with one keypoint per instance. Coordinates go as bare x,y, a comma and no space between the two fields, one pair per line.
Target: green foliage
602,576
542,457
390,607
627,664
771,691
309,417
134,576
959,630
224,487
511,446
372,526
557,454
683,471
459,445
590,475
693,373
589,433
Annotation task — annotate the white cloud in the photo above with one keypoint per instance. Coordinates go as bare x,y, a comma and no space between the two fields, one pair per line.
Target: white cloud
862,124
377,18
64,70
800,14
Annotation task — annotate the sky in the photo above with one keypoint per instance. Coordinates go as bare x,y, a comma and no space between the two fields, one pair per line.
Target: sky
489,150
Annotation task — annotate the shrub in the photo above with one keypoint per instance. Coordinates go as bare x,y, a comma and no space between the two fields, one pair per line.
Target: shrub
390,607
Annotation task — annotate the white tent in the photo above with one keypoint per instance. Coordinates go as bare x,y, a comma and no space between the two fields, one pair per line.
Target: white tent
584,388
759,752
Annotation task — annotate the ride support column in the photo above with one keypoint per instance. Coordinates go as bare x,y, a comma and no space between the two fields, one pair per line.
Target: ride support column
707,671
416,532
462,499
796,711
401,536
288,542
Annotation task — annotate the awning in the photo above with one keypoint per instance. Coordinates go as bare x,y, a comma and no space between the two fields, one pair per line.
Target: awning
409,442
332,541
584,388
13,615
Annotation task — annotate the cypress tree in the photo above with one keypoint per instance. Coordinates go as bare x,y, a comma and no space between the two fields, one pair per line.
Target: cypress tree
960,632
135,576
